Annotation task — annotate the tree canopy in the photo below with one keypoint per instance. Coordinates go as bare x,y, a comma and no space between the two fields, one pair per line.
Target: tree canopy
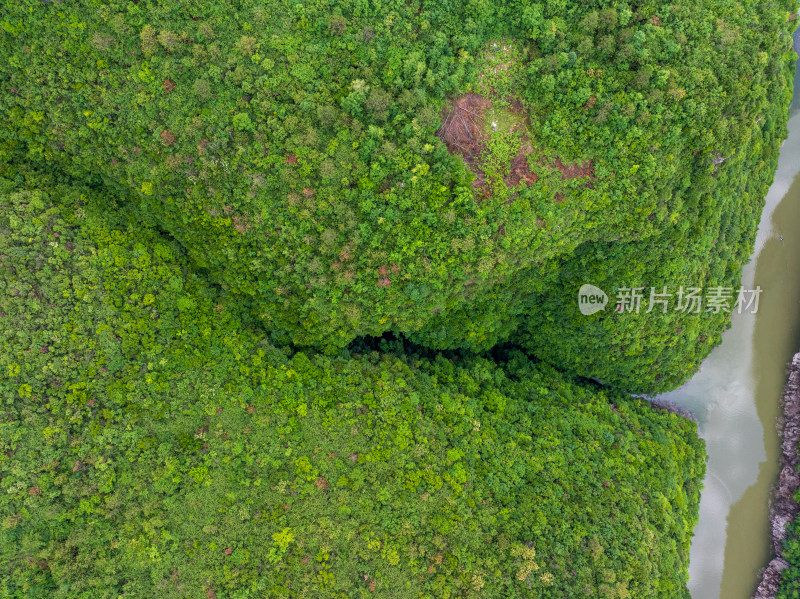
156,444
295,149
288,289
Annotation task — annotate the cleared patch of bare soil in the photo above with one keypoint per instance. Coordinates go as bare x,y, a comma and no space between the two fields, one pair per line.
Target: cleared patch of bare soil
462,132
576,170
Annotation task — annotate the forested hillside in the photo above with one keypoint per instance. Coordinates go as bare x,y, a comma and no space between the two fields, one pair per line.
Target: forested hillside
288,290
154,445
358,168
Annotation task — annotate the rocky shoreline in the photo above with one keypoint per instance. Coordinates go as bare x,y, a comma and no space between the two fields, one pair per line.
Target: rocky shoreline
783,508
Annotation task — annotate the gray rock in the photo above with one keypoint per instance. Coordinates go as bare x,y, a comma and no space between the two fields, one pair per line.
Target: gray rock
783,508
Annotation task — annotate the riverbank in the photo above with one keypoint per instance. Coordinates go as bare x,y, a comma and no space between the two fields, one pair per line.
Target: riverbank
783,508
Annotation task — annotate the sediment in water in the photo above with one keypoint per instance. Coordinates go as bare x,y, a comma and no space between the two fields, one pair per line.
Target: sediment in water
783,508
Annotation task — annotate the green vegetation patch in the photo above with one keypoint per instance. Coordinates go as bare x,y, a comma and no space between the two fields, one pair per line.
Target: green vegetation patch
500,71
502,121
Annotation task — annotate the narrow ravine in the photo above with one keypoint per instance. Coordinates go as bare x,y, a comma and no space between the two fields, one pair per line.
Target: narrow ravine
735,397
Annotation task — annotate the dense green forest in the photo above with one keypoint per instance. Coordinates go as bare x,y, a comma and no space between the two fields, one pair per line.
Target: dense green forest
288,289
155,445
423,168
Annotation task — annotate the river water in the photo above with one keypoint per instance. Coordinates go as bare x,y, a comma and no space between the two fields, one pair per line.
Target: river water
735,396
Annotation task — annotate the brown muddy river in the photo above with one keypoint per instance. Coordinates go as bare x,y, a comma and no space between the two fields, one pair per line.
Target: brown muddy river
735,397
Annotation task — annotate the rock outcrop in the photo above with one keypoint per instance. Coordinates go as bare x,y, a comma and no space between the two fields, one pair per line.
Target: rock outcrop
784,509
